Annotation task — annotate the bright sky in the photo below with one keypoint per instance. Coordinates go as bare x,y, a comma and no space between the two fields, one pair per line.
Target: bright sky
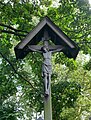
90,1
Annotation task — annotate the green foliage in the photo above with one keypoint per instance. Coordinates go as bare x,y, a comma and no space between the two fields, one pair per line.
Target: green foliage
7,112
65,95
61,58
87,65
71,80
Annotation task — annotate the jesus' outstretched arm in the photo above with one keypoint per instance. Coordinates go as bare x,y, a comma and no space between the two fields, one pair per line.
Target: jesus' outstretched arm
35,48
56,48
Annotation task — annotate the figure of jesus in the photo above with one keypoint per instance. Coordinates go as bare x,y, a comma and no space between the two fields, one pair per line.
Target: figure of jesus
46,66
46,69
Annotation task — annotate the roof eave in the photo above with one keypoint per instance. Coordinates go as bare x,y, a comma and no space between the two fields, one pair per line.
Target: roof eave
31,35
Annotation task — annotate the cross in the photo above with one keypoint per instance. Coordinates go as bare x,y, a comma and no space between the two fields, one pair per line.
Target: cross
46,51
45,31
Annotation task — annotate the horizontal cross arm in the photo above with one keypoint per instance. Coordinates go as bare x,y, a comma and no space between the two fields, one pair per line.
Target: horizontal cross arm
56,48
35,48
52,48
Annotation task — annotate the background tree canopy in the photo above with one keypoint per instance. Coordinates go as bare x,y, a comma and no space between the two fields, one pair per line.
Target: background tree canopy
21,85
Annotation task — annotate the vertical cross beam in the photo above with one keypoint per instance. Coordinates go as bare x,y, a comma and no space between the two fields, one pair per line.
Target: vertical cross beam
48,107
47,100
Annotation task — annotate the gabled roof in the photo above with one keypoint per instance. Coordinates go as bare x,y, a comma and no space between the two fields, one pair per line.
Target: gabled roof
58,37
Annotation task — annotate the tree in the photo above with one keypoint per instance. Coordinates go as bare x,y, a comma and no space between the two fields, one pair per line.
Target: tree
17,19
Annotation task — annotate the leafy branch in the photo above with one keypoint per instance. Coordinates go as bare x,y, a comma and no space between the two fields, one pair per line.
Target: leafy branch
15,71
10,32
12,28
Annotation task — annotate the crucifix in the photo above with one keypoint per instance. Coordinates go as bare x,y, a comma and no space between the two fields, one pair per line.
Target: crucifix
46,51
45,31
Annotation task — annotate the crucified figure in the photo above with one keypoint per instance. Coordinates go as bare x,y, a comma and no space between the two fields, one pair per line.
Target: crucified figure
46,69
46,66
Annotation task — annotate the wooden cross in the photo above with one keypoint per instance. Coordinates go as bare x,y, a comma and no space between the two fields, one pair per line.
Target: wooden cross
44,30
46,51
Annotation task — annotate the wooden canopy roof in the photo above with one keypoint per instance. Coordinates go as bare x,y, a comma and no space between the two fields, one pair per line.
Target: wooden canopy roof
57,36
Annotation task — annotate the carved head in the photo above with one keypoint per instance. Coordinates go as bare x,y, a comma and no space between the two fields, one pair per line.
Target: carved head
45,48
